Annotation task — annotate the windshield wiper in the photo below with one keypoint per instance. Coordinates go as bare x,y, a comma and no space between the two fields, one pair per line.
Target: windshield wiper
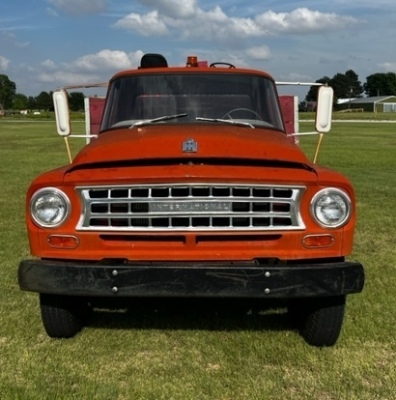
227,121
159,119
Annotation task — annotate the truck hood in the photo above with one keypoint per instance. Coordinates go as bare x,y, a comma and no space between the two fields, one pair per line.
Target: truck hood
160,142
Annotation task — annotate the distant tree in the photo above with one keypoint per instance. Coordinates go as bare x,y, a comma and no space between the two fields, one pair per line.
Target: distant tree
76,101
32,103
44,101
345,86
7,92
312,94
20,102
381,84
355,87
340,84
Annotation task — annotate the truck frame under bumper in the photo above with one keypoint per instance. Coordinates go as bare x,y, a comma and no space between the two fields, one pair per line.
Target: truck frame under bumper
246,280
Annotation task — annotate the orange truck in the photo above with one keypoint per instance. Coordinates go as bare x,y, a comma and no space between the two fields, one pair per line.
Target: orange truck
192,189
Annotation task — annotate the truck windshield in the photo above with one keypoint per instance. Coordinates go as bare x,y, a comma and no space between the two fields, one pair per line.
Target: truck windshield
201,98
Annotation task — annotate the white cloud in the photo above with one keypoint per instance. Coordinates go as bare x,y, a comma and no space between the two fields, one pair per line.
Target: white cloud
215,25
4,63
48,64
146,25
173,8
104,60
259,53
63,78
303,20
79,7
388,66
90,68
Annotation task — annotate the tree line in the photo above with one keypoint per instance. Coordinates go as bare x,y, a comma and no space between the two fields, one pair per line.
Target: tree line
348,86
11,100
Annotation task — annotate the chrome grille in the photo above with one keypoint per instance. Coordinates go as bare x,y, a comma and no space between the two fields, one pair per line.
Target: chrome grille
197,207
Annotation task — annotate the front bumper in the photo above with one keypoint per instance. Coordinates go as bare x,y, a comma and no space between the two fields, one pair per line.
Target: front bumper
243,280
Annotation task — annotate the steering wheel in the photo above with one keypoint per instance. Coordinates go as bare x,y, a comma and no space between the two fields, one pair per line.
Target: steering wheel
228,114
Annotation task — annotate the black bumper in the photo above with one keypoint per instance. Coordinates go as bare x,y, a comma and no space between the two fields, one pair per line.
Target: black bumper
190,279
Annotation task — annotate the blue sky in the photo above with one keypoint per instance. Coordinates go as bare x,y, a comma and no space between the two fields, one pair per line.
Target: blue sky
45,44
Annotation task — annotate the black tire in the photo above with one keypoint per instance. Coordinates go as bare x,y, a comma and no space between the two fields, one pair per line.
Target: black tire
62,316
323,321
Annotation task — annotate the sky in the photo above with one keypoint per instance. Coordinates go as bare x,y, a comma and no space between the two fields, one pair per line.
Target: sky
47,44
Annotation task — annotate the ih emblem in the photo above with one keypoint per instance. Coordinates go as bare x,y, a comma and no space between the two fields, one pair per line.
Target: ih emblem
190,146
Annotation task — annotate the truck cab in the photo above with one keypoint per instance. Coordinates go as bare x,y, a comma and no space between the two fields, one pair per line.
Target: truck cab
192,188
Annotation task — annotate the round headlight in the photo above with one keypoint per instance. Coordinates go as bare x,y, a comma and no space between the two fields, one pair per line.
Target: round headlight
331,208
49,207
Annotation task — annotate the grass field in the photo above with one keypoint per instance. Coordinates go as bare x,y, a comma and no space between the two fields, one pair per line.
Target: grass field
211,353
353,116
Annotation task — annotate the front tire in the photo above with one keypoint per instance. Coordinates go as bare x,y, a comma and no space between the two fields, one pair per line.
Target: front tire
320,320
62,316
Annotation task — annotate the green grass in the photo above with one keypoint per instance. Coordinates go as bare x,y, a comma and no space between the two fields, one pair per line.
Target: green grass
193,353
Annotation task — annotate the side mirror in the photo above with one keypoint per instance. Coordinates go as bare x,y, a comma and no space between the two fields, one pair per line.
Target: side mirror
324,109
61,106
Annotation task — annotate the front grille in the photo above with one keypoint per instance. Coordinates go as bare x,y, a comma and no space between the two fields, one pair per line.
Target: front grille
196,207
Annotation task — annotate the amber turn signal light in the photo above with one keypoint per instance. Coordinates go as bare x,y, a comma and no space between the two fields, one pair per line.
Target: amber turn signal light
63,241
318,240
